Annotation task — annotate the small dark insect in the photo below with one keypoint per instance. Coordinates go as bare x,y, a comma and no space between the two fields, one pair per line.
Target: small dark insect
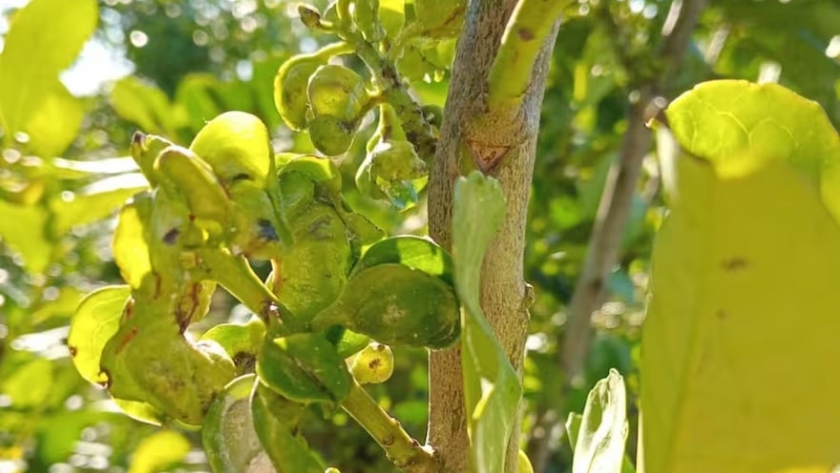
267,230
171,236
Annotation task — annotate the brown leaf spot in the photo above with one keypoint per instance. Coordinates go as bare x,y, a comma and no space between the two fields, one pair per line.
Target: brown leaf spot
128,338
734,264
375,364
525,34
73,350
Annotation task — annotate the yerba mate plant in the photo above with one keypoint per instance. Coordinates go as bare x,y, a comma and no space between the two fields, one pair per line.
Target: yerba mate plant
339,293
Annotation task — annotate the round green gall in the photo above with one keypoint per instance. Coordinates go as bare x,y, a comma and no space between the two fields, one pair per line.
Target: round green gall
311,274
290,85
373,365
237,147
397,305
332,135
337,91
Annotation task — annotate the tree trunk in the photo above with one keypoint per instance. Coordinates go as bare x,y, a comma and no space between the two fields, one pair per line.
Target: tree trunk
501,143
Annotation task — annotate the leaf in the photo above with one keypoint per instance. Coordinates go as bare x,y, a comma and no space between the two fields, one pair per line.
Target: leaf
159,451
30,384
392,16
412,252
140,411
44,39
603,430
53,126
275,418
23,228
744,286
397,305
491,386
143,104
130,245
242,342
96,320
72,169
304,367
228,435
95,202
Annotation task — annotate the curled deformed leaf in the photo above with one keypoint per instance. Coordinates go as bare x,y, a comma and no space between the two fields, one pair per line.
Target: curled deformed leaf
397,305
747,257
137,361
237,147
96,320
412,252
228,434
311,275
275,420
131,245
304,367
242,342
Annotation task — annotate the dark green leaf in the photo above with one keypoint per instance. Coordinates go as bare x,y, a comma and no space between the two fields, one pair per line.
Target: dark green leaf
412,252
304,367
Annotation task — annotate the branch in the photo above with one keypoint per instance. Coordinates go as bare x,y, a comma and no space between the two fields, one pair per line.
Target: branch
502,142
405,452
417,130
530,24
614,209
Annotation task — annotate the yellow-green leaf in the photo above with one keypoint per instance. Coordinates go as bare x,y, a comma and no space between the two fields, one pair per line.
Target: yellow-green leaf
44,39
30,384
144,105
24,229
491,386
53,126
95,202
743,311
96,320
159,451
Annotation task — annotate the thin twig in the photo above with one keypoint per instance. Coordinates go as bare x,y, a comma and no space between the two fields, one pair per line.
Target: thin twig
530,24
405,452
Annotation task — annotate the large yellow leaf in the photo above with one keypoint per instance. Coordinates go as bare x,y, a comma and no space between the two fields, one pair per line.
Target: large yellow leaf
743,324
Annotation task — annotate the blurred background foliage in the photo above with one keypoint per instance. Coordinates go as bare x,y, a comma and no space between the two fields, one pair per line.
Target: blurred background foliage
166,66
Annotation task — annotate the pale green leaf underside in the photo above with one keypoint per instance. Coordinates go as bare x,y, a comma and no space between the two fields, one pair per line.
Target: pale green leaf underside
491,386
744,289
599,447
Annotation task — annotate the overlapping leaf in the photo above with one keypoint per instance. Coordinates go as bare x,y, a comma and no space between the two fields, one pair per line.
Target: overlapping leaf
491,386
744,286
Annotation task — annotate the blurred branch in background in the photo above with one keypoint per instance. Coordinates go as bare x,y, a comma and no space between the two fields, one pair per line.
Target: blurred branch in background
623,177
614,209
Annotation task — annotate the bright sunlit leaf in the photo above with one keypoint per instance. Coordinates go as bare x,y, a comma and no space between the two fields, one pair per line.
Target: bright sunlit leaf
743,315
